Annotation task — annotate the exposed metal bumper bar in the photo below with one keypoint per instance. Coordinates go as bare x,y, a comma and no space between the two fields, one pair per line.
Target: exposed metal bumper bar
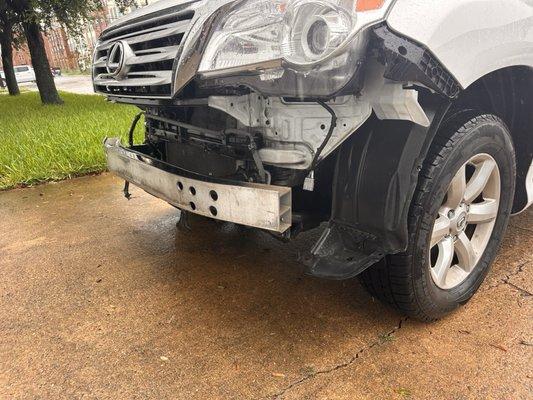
260,206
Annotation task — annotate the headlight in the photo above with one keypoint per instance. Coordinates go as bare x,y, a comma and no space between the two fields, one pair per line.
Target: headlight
249,34
322,35
300,33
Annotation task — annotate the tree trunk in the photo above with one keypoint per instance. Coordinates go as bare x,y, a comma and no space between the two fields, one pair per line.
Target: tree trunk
45,80
6,43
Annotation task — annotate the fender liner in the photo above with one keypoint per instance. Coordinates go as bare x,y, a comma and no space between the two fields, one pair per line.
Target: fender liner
375,179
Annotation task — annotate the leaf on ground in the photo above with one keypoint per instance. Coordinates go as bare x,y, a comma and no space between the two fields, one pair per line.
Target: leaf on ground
403,392
498,346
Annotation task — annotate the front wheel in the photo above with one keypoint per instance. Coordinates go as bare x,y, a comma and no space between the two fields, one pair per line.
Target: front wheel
458,217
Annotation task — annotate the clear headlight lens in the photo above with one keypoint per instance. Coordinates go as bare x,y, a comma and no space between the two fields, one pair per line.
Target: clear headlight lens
313,30
249,34
302,33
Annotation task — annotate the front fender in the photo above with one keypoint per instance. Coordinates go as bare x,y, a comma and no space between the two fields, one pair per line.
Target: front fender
471,38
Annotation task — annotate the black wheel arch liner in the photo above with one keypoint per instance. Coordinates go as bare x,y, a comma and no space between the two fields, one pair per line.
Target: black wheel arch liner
375,178
377,172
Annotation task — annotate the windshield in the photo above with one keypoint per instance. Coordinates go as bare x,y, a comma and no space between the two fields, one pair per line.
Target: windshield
22,69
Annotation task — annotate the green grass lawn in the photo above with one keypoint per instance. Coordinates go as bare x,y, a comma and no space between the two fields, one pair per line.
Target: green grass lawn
42,143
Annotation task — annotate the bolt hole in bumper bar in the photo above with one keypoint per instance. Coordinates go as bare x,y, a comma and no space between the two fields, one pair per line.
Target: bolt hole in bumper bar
260,206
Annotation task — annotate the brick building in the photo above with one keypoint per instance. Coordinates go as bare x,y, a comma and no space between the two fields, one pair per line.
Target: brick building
21,56
59,49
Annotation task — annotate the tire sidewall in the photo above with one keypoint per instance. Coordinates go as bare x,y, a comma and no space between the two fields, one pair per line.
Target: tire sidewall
490,137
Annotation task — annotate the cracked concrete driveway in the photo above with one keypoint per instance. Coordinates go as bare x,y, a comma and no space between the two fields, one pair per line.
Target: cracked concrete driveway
104,298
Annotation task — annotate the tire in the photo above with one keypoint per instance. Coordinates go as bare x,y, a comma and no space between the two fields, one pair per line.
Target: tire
409,281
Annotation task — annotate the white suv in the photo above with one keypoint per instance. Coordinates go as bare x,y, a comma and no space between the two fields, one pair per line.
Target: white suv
403,127
23,74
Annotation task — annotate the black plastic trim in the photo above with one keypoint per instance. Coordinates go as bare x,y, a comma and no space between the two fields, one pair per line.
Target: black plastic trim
408,61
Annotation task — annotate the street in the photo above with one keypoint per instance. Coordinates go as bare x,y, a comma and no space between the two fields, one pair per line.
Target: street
80,84
105,298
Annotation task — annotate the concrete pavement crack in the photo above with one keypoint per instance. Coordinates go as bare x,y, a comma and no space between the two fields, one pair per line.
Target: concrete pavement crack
506,279
521,290
383,338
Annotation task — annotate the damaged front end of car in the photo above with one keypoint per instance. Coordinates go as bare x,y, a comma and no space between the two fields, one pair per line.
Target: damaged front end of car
280,115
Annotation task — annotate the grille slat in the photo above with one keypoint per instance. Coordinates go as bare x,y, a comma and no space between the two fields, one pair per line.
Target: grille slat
146,24
148,78
155,43
145,36
145,56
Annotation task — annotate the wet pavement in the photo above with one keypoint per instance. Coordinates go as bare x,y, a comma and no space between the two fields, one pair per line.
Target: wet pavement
104,298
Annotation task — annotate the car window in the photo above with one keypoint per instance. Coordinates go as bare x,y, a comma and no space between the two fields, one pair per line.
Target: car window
22,69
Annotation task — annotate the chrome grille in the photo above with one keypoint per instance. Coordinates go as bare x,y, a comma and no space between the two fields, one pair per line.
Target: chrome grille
154,43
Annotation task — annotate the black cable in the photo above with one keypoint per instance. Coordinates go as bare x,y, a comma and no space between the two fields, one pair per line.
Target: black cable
332,127
126,190
133,126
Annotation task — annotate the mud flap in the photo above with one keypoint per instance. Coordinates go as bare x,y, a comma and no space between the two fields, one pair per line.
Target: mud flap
342,253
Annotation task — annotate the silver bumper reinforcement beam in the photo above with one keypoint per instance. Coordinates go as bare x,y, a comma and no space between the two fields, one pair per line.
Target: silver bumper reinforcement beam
260,206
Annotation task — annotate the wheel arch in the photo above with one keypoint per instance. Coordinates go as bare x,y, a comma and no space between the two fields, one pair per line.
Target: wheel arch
378,169
507,93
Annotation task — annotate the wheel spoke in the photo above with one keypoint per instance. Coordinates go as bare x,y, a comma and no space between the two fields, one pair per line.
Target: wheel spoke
483,212
444,261
465,253
479,180
440,230
456,191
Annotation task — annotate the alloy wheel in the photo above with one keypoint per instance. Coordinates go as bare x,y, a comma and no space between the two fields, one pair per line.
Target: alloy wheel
465,221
